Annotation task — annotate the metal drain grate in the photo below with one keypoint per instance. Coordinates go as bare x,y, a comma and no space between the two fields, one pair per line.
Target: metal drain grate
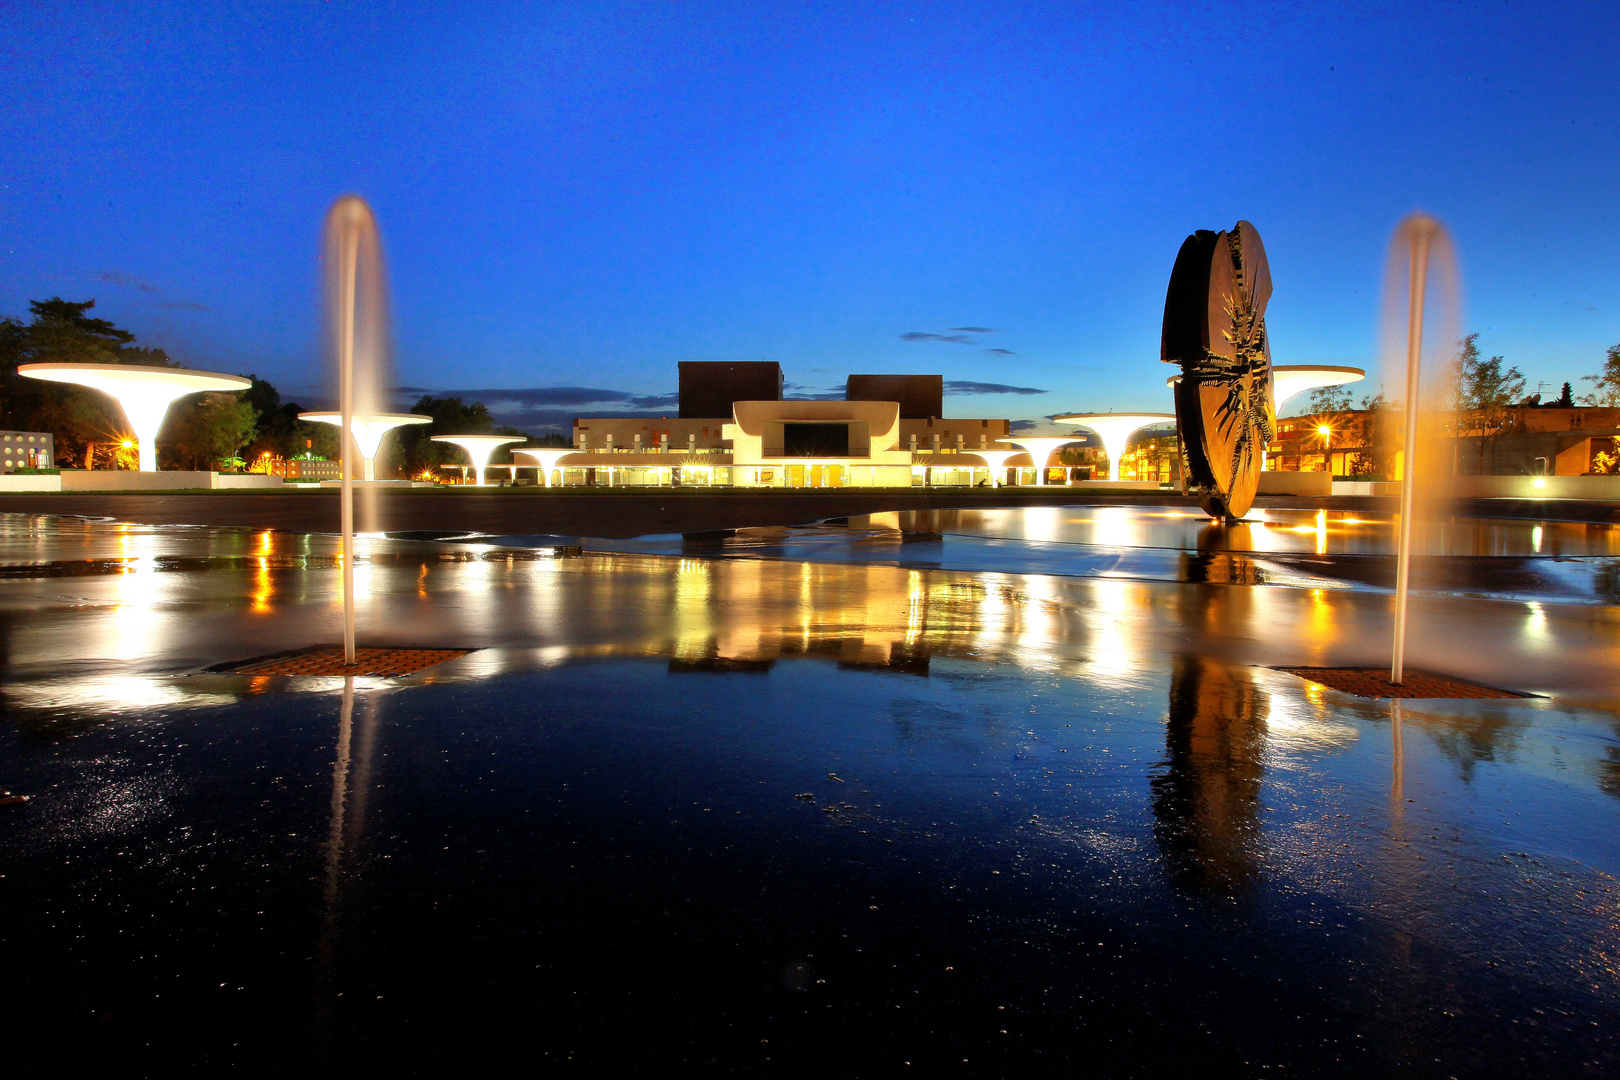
328,660
1374,683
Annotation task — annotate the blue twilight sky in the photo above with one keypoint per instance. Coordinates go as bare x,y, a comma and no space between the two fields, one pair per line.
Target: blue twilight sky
580,195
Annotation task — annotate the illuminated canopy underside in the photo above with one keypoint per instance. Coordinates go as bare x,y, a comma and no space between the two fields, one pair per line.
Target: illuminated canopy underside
144,393
1291,379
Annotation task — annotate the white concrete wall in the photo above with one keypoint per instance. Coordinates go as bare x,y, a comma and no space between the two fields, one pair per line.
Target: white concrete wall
1589,488
246,480
13,482
1595,488
117,480
1295,483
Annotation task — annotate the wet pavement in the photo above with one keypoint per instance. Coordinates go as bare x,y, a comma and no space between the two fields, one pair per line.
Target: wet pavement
770,816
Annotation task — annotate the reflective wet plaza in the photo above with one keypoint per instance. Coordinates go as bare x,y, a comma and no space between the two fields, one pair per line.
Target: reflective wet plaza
722,806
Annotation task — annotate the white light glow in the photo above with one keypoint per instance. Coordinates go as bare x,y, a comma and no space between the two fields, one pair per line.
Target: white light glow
368,430
144,393
479,447
1115,430
546,460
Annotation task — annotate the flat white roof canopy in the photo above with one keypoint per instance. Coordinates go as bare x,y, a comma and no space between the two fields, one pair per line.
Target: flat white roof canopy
144,393
1116,430
367,430
479,447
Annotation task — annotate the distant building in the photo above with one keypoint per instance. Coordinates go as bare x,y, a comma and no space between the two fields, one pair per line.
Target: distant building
1532,440
26,450
765,441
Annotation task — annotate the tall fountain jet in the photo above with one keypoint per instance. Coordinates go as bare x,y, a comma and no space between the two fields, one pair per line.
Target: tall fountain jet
357,317
1421,249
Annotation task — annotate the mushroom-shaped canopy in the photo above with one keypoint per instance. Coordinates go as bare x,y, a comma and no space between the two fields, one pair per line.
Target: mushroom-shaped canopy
1116,430
144,393
479,447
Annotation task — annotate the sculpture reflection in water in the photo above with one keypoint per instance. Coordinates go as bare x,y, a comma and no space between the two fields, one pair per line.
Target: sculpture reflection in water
1206,802
1216,561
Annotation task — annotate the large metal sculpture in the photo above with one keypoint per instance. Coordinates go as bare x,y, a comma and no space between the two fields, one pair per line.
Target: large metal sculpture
1215,329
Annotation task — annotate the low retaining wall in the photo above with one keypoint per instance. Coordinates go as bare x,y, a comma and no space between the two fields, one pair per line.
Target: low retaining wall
1367,487
1114,485
1296,483
177,480
1589,488
30,482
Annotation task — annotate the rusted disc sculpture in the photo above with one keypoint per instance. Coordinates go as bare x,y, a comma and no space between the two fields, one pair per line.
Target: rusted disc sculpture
1215,329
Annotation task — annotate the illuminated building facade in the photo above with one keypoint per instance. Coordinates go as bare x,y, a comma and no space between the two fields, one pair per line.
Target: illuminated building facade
770,442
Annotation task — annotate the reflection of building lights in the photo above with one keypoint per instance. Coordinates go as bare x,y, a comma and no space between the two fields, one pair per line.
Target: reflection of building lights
1116,430
479,448
144,393
368,430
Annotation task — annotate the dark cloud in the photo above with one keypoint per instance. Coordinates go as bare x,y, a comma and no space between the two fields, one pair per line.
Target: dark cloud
798,392
955,339
1001,352
971,330
542,409
1019,427
114,277
509,398
959,386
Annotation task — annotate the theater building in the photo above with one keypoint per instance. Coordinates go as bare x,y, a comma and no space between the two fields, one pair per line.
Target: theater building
888,432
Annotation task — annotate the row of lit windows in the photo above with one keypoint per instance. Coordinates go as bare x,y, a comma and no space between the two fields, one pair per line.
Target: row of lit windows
19,438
